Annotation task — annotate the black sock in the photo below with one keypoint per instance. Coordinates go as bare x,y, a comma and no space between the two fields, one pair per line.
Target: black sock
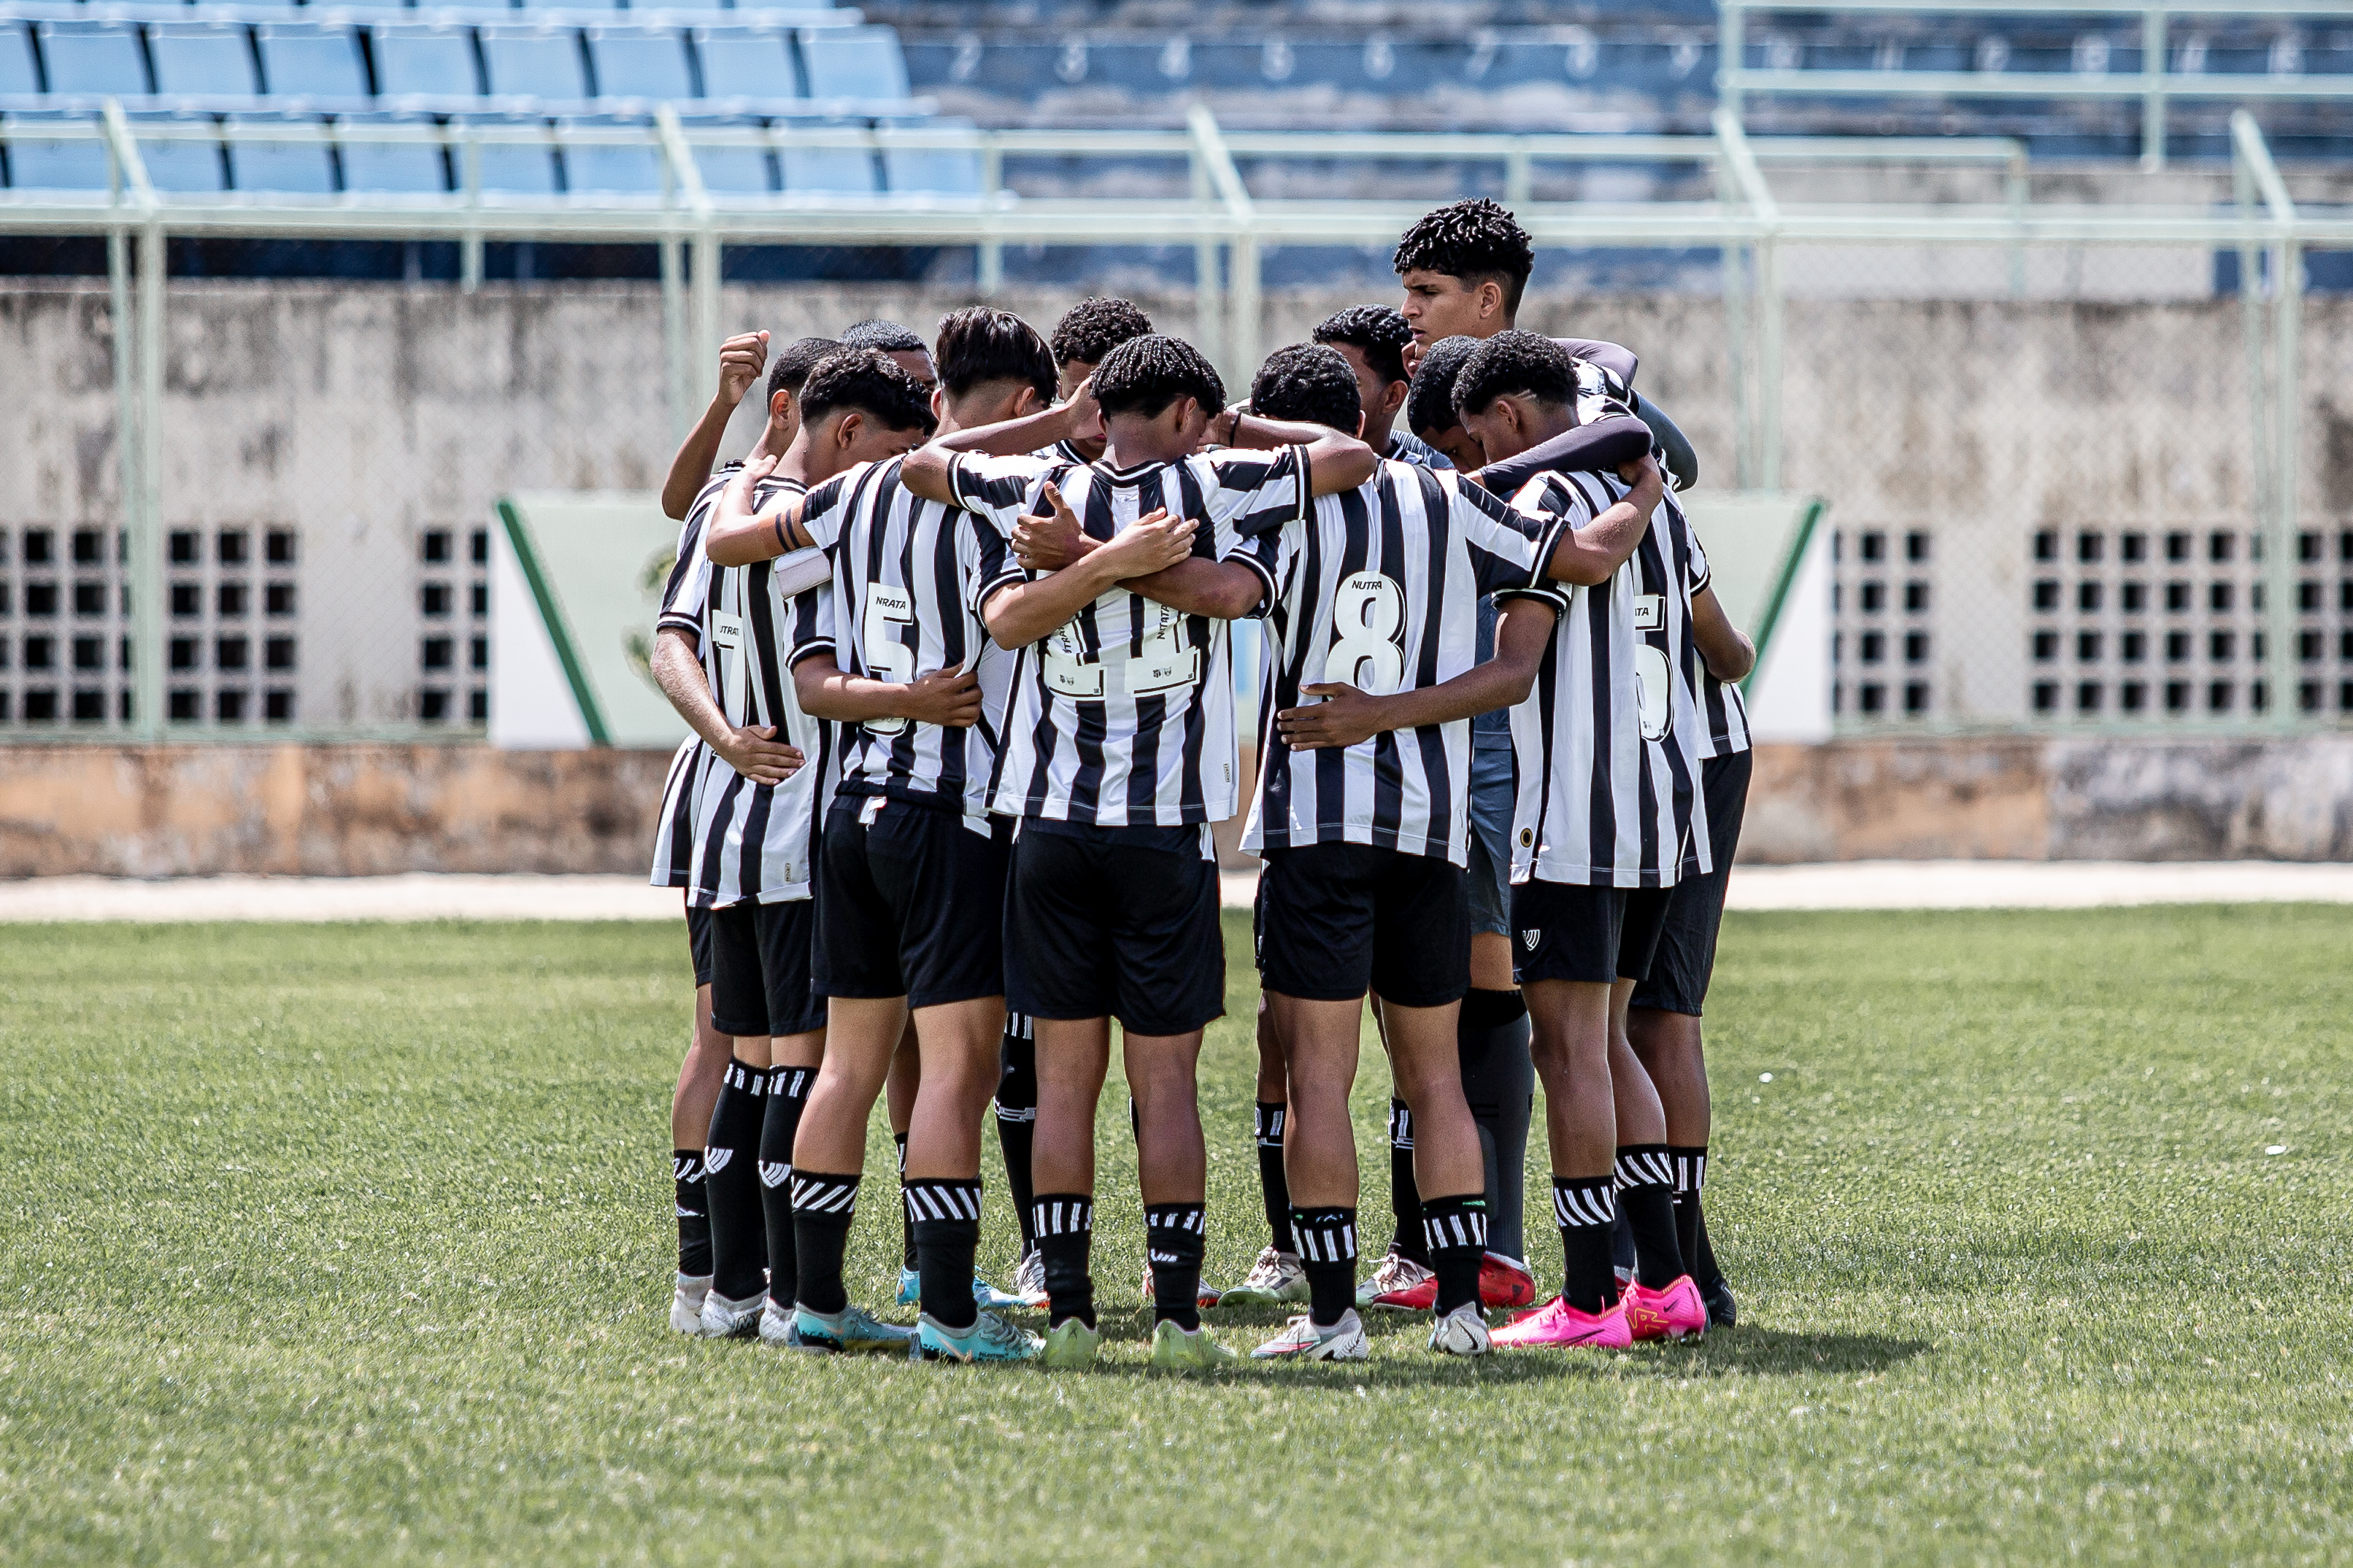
1017,1118
1454,1239
823,1206
1646,1192
739,1241
1710,1274
1327,1250
1065,1224
1691,1176
789,1089
1274,1187
1499,1080
1585,1207
906,1225
1621,1247
945,1214
1175,1239
693,1213
1405,1193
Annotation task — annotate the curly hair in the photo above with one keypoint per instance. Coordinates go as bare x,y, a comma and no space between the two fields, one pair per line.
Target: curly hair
1525,362
979,344
1475,240
1309,382
1093,327
868,380
1376,331
1429,407
1145,376
889,336
793,362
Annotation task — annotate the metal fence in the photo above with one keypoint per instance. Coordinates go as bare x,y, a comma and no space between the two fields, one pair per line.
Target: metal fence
2033,420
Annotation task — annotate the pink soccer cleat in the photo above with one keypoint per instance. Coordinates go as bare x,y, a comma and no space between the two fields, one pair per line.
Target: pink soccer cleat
1674,1313
1558,1325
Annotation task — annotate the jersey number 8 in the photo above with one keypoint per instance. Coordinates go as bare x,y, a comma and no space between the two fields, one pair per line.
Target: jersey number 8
1368,629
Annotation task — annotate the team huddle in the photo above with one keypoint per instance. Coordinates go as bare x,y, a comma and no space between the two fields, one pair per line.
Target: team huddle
954,641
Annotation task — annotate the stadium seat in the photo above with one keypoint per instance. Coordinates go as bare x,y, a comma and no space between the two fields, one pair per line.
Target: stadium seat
93,58
606,168
842,170
299,61
39,162
302,166
468,5
748,62
202,59
16,72
369,4
399,168
639,62
424,58
737,170
526,61
190,165
524,168
854,62
937,171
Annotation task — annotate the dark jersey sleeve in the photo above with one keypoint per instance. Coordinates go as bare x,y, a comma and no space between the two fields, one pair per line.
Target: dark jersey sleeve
1683,463
1617,360
1602,446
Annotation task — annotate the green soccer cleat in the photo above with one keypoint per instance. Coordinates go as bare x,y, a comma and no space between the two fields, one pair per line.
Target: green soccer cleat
1070,1346
1176,1350
989,1338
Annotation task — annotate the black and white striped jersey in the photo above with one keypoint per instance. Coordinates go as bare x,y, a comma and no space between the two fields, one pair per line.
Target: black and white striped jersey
754,842
674,828
909,579
1124,716
1605,745
1379,587
1723,707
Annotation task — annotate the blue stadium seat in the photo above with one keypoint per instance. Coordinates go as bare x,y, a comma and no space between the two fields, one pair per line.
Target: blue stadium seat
748,62
369,4
526,168
304,61
854,62
424,58
525,61
844,170
16,72
202,59
50,162
301,165
403,168
934,171
93,58
466,5
639,62
190,165
743,171
605,168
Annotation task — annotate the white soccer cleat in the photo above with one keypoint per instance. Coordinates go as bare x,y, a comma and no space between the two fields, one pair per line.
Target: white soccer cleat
1030,1278
1399,1284
1301,1339
1462,1331
779,1326
686,1303
726,1319
1277,1278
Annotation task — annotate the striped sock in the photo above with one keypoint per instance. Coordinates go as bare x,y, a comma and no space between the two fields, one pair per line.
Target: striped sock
1175,1239
693,1213
1405,1193
906,1225
1691,1176
1327,1251
823,1206
1065,1226
1454,1239
730,1182
945,1214
1017,1117
1646,1189
1273,1186
1585,1207
789,1089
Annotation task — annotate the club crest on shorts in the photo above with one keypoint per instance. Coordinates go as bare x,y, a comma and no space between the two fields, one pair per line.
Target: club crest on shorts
1528,938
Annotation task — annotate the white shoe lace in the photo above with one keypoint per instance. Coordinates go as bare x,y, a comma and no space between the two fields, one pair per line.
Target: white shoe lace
1267,1274
1398,1273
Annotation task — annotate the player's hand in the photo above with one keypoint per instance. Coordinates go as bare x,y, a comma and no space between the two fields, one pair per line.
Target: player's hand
758,467
1152,543
1411,354
1345,717
1049,543
944,697
741,359
1644,471
1221,429
756,752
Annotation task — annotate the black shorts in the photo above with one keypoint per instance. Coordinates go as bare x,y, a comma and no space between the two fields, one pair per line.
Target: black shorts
1685,962
1597,935
1336,920
1638,938
698,943
760,970
1116,923
912,902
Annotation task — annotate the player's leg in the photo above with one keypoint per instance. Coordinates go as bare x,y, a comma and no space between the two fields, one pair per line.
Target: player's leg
1665,1303
1017,1120
1491,1036
906,1080
699,1074
1404,1268
739,1241
1276,1276
795,1051
960,1041
1566,973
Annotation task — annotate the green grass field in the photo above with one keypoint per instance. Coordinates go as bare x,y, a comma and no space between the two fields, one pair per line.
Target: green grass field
352,1244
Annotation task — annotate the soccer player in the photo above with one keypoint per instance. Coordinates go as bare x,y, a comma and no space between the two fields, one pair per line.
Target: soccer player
1087,332
740,360
1119,754
1359,815
1603,825
1372,339
909,352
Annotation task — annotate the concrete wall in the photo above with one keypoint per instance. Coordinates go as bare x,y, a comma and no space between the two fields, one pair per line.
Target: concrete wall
368,810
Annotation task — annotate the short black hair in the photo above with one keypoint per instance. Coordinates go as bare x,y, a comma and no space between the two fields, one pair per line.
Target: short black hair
1375,330
1429,407
1515,362
871,380
1145,376
1474,240
1093,327
981,343
793,363
889,336
1309,382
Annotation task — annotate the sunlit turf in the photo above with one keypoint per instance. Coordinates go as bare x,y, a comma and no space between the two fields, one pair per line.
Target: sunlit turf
352,1244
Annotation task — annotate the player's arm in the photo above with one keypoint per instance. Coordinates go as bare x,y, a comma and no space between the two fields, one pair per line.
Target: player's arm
1347,715
929,471
1194,586
1683,462
1589,555
742,533
1334,462
1596,448
741,359
950,698
1729,653
1019,614
752,751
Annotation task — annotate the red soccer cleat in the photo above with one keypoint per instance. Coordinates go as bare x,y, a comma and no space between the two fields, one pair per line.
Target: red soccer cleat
1505,1282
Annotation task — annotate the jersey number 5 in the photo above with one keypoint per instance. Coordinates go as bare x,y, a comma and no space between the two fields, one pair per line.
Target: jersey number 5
1367,629
1653,676
887,657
